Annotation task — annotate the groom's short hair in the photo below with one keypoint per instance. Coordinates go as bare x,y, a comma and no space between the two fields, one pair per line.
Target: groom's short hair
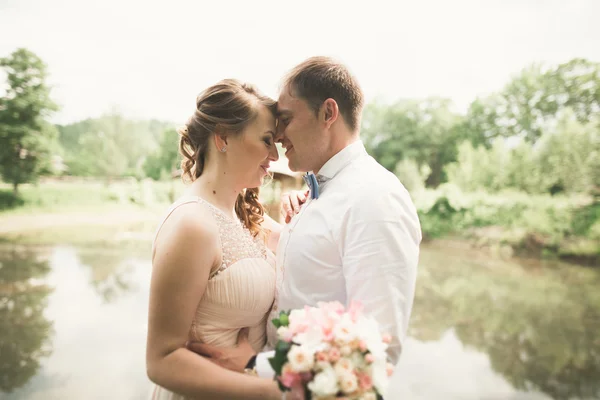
320,78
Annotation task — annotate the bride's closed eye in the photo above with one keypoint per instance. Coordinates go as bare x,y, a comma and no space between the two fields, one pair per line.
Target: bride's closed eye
268,140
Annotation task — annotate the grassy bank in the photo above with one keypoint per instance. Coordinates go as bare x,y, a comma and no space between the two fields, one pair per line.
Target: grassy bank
507,223
515,222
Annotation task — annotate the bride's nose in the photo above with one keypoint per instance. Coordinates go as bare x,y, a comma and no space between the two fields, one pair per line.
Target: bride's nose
273,153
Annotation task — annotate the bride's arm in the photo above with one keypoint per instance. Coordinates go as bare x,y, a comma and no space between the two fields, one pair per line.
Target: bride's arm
180,274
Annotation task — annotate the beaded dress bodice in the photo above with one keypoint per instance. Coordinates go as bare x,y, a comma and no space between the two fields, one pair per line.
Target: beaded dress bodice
240,291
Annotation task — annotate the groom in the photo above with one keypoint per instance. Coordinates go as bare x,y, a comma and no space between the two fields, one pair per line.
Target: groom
357,236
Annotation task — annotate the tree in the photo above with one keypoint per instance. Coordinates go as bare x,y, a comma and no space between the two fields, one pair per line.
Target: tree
110,146
165,159
425,131
531,102
27,140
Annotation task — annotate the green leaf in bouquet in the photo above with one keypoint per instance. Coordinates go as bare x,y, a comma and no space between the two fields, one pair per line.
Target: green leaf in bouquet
278,360
284,319
281,387
276,322
283,347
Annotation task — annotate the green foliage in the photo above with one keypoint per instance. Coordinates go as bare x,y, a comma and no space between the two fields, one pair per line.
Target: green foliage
411,176
423,131
281,348
110,146
539,134
531,101
165,160
523,221
25,338
27,140
537,325
83,195
565,158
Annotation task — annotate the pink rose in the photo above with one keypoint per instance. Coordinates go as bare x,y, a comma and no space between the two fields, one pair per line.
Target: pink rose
333,307
334,354
322,356
355,310
362,345
328,334
364,381
288,377
369,358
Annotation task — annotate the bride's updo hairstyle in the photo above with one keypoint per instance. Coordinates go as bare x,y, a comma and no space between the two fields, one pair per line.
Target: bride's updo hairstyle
225,108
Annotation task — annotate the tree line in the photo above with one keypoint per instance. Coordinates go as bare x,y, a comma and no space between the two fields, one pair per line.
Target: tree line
538,134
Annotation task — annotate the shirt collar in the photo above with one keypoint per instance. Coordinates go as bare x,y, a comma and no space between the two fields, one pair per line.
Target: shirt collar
336,163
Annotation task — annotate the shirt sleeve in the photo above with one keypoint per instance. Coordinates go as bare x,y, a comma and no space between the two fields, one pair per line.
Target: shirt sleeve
263,367
380,251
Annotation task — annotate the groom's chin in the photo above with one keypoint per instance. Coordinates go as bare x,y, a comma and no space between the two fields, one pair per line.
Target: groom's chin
292,166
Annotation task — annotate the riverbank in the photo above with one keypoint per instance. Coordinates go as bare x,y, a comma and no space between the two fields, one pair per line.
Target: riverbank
505,225
514,223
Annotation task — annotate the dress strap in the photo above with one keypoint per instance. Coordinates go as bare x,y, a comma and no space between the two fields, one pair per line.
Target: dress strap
174,206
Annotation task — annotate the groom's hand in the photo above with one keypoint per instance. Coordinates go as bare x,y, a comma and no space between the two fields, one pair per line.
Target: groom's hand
234,359
291,203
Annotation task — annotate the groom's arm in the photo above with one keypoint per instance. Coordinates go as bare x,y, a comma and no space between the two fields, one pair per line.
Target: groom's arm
237,358
380,250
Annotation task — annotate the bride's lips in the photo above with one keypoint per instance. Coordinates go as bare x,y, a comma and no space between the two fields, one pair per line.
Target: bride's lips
266,169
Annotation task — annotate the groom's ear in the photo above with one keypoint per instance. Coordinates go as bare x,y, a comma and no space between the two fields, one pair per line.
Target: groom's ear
330,111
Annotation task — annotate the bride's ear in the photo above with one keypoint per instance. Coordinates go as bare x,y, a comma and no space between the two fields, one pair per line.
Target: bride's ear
221,142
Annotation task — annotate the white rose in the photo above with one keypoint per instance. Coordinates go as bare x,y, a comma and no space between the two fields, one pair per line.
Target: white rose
324,383
321,365
282,331
344,366
346,350
297,315
312,339
344,331
301,359
367,329
348,382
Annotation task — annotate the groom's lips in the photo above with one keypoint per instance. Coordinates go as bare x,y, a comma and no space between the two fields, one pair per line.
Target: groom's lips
288,149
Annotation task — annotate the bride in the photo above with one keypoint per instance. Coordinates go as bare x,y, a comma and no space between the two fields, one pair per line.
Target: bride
213,272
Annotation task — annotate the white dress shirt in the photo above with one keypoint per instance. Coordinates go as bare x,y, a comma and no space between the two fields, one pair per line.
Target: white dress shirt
358,241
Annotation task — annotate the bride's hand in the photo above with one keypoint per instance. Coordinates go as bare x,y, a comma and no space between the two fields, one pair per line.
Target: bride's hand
291,203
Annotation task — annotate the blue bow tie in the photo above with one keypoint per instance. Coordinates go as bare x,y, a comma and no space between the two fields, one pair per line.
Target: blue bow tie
313,182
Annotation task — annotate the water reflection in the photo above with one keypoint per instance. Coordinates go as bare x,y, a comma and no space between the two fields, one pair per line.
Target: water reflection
110,272
481,329
99,324
538,324
25,331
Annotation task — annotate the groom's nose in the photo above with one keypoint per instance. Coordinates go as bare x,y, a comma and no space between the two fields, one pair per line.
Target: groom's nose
278,138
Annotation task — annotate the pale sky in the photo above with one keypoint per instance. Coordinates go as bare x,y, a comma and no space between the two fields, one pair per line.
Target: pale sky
151,58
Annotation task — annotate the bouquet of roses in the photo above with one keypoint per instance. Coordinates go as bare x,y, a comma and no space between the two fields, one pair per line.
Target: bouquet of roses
328,352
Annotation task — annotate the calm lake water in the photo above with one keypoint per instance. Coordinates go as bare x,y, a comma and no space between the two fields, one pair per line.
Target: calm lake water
73,326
